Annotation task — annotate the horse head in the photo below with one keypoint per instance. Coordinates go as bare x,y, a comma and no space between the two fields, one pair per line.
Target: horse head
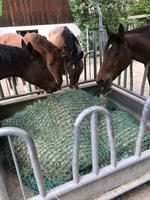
117,57
74,55
54,63
37,72
50,53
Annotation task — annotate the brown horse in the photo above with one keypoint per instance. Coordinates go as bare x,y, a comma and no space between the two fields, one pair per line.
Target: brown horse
120,49
26,63
71,52
49,52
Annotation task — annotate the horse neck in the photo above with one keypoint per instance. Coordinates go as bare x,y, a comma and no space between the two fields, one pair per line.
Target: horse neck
139,47
10,70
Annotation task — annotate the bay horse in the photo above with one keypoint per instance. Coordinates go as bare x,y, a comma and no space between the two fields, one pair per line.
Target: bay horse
70,51
120,49
26,63
49,52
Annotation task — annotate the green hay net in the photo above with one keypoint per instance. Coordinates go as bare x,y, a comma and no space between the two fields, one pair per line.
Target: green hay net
50,123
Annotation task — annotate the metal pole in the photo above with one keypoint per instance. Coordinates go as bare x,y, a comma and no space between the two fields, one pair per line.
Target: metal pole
101,31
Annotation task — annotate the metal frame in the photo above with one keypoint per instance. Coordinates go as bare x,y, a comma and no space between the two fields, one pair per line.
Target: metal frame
103,180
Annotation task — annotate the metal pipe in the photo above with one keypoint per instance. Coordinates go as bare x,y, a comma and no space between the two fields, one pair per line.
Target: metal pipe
13,131
143,121
76,137
144,79
17,167
94,143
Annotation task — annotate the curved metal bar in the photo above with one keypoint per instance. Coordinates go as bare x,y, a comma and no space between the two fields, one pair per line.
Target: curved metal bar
145,113
76,135
13,131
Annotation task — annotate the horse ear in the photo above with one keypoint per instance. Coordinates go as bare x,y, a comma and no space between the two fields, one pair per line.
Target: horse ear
32,50
30,47
108,31
23,44
121,30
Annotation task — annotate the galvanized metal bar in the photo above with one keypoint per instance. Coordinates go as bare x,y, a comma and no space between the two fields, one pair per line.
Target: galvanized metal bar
131,76
144,118
144,81
94,53
29,87
1,92
17,167
13,131
119,79
94,143
85,66
14,85
125,79
76,131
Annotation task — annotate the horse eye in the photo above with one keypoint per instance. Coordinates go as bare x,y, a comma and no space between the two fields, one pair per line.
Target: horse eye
116,53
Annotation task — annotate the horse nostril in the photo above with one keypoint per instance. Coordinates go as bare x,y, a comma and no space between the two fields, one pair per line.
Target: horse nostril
99,82
58,85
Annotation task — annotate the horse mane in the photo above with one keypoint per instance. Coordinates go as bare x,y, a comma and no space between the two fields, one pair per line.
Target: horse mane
43,42
10,54
69,39
142,29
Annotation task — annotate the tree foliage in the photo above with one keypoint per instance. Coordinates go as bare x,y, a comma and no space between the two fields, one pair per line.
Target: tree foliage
113,11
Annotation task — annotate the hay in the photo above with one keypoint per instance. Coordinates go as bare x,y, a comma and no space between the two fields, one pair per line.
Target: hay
50,123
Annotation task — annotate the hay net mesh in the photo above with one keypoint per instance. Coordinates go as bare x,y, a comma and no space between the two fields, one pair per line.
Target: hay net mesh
50,123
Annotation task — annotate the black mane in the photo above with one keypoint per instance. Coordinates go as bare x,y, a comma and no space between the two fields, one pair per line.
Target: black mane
10,55
70,40
113,39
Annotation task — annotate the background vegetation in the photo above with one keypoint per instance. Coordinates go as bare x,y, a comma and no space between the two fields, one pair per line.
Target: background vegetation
113,11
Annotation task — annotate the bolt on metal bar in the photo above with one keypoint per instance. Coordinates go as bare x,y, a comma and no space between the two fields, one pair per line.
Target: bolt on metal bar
13,131
144,118
76,138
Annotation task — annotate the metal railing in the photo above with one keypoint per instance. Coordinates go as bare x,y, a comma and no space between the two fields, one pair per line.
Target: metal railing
95,42
97,177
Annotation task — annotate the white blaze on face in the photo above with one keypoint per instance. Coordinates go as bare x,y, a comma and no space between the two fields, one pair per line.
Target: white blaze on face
109,47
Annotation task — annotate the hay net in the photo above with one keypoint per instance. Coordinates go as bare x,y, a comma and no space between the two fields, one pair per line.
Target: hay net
50,123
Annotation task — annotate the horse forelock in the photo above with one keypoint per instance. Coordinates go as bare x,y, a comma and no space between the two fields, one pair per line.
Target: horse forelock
114,39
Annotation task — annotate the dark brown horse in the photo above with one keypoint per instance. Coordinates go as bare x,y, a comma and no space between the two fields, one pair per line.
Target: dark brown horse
70,50
120,49
49,52
26,63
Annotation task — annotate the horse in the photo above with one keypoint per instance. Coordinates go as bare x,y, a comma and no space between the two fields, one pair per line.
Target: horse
12,39
120,49
49,52
70,50
26,63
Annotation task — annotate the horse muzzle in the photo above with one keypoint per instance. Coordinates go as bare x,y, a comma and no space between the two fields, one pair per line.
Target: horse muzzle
104,86
52,88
